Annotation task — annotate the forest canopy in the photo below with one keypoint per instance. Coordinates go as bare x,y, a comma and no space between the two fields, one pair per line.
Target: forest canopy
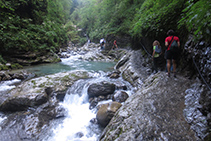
33,25
138,18
43,25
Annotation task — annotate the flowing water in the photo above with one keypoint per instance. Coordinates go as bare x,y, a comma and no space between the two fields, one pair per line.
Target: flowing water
76,125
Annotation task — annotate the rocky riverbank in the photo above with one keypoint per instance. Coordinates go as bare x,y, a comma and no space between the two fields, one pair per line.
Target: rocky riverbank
161,108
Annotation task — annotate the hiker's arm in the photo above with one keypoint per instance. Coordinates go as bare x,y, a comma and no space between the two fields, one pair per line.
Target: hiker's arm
153,54
178,43
166,44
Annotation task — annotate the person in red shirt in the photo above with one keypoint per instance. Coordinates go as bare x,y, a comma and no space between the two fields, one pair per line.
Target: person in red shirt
171,55
114,45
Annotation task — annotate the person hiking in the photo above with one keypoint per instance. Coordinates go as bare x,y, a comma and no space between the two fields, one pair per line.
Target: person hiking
157,51
102,42
114,45
172,43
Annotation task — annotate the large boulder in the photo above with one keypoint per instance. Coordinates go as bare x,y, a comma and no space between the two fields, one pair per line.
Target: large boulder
100,89
18,103
106,112
35,92
32,124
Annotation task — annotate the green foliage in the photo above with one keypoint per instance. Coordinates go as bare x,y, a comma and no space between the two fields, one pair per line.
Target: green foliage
59,10
2,61
158,16
33,25
196,18
99,18
137,18
72,32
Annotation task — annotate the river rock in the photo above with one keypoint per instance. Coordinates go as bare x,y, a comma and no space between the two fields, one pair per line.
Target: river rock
36,91
18,103
114,75
120,96
131,68
9,75
100,89
28,58
106,112
32,124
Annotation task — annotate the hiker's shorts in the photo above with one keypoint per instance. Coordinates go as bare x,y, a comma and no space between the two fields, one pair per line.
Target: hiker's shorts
172,55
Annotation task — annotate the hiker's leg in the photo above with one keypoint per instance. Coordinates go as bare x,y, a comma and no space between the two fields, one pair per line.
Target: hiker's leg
174,65
156,63
168,65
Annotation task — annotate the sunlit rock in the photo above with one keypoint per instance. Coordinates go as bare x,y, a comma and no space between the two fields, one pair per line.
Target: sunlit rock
106,112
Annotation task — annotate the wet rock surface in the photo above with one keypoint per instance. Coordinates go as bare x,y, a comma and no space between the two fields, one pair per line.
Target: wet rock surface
92,52
163,108
120,96
101,89
8,75
155,112
35,91
32,105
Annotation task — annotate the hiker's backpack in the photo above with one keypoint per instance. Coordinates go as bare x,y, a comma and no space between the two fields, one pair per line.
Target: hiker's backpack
157,49
174,45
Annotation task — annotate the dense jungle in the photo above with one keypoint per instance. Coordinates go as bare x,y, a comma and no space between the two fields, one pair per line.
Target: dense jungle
35,32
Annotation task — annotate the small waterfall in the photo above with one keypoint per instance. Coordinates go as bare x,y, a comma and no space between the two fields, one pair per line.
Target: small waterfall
77,126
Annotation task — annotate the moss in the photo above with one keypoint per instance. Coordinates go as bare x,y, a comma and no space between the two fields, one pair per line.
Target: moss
42,85
4,67
81,76
16,66
38,91
125,77
56,59
65,78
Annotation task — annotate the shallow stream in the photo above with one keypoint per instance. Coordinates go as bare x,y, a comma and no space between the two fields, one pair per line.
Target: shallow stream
76,125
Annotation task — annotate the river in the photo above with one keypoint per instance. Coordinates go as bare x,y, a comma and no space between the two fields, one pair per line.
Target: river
76,125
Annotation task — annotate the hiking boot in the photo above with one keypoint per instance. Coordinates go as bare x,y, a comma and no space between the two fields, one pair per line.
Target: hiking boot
168,74
175,76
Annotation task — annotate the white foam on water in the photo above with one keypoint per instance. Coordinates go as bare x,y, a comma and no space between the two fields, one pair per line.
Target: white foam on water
8,85
77,121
